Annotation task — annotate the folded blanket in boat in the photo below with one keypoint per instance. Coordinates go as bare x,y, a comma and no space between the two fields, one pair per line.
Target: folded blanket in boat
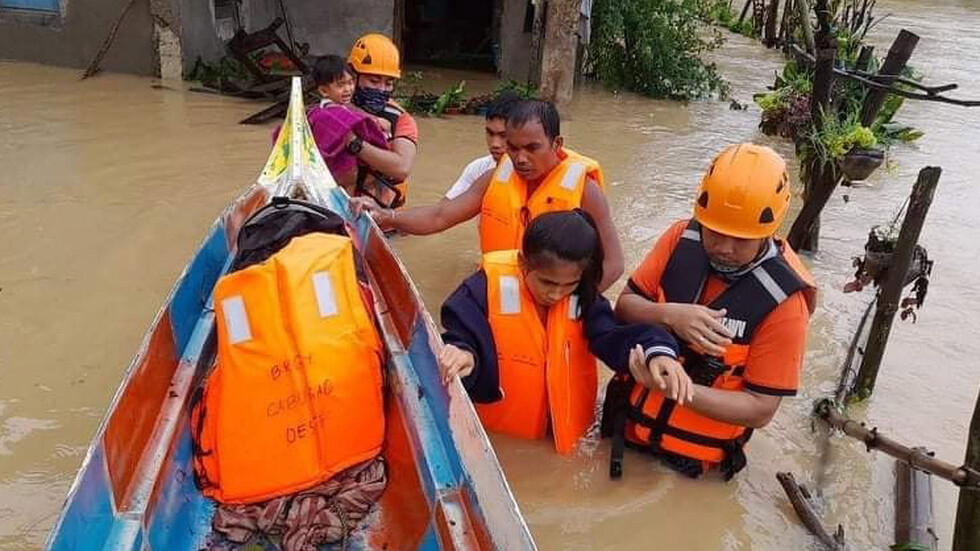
324,514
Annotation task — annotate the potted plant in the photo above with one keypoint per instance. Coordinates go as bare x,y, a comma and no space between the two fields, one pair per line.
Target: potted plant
849,144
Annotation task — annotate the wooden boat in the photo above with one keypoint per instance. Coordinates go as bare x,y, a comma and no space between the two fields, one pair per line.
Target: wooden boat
136,490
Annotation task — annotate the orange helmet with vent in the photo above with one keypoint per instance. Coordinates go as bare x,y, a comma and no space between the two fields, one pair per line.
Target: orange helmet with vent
745,193
375,54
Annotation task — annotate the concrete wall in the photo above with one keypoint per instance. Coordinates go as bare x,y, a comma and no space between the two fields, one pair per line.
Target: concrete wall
515,44
73,38
198,37
329,27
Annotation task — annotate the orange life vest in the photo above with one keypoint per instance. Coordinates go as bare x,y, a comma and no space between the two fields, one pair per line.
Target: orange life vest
296,395
507,209
546,370
656,423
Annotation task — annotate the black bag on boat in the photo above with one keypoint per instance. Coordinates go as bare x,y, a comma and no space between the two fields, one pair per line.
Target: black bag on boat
271,228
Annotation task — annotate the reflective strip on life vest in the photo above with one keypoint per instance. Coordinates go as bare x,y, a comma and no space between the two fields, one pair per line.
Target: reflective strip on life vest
510,295
778,295
236,317
326,300
573,175
573,313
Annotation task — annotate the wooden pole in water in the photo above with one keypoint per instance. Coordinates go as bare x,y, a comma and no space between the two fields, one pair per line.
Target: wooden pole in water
898,56
785,27
961,476
772,16
537,39
800,499
966,537
745,11
803,14
821,174
890,293
913,508
559,51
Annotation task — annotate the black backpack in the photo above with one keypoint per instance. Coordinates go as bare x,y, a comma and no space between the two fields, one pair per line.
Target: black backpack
272,227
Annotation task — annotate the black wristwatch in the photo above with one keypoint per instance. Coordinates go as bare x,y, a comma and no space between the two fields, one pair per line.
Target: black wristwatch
355,145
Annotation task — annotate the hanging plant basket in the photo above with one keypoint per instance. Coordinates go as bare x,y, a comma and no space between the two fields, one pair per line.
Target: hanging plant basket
879,251
858,164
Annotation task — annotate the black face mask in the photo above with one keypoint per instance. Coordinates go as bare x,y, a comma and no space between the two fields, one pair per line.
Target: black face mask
371,100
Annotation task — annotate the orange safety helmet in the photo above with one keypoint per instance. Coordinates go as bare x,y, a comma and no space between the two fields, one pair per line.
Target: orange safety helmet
745,192
375,54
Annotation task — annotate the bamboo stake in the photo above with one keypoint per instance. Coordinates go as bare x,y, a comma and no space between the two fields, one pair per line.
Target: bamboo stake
93,67
966,476
890,293
967,534
913,509
898,55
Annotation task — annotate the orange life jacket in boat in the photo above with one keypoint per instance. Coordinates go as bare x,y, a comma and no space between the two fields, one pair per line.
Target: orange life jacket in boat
296,395
546,370
659,424
507,209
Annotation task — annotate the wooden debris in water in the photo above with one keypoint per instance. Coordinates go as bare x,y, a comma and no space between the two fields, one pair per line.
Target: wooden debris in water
802,502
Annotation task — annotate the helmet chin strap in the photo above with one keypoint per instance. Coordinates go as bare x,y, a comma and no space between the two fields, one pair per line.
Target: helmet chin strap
732,273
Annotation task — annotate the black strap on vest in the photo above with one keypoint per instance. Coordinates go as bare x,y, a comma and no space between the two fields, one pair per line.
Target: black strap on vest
362,189
748,301
391,114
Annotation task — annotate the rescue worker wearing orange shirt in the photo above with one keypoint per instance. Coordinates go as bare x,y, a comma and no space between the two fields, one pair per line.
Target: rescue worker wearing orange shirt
383,173
738,300
537,175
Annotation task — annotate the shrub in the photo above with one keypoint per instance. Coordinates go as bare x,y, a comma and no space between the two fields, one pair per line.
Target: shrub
655,47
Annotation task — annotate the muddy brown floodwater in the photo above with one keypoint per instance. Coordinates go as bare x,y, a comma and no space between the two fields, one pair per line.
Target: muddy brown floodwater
107,186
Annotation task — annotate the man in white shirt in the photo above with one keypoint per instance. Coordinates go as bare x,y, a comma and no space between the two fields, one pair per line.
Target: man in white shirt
496,125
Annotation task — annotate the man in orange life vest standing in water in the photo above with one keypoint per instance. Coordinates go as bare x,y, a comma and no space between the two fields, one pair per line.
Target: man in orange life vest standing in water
537,175
738,300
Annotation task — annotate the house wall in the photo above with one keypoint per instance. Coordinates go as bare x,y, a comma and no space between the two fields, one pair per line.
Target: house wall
74,37
515,44
328,27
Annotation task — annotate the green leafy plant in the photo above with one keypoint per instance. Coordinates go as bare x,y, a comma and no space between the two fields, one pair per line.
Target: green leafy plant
786,108
655,47
218,73
453,97
720,13
837,138
524,90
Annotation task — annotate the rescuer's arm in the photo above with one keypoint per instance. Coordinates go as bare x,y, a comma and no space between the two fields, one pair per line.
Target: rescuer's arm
738,407
692,323
647,352
427,219
395,163
594,202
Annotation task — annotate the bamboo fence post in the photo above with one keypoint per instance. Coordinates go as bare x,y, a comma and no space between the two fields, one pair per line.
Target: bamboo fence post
898,56
890,293
966,536
913,508
821,174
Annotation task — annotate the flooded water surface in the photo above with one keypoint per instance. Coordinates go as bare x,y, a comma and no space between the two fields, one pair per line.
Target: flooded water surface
107,187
